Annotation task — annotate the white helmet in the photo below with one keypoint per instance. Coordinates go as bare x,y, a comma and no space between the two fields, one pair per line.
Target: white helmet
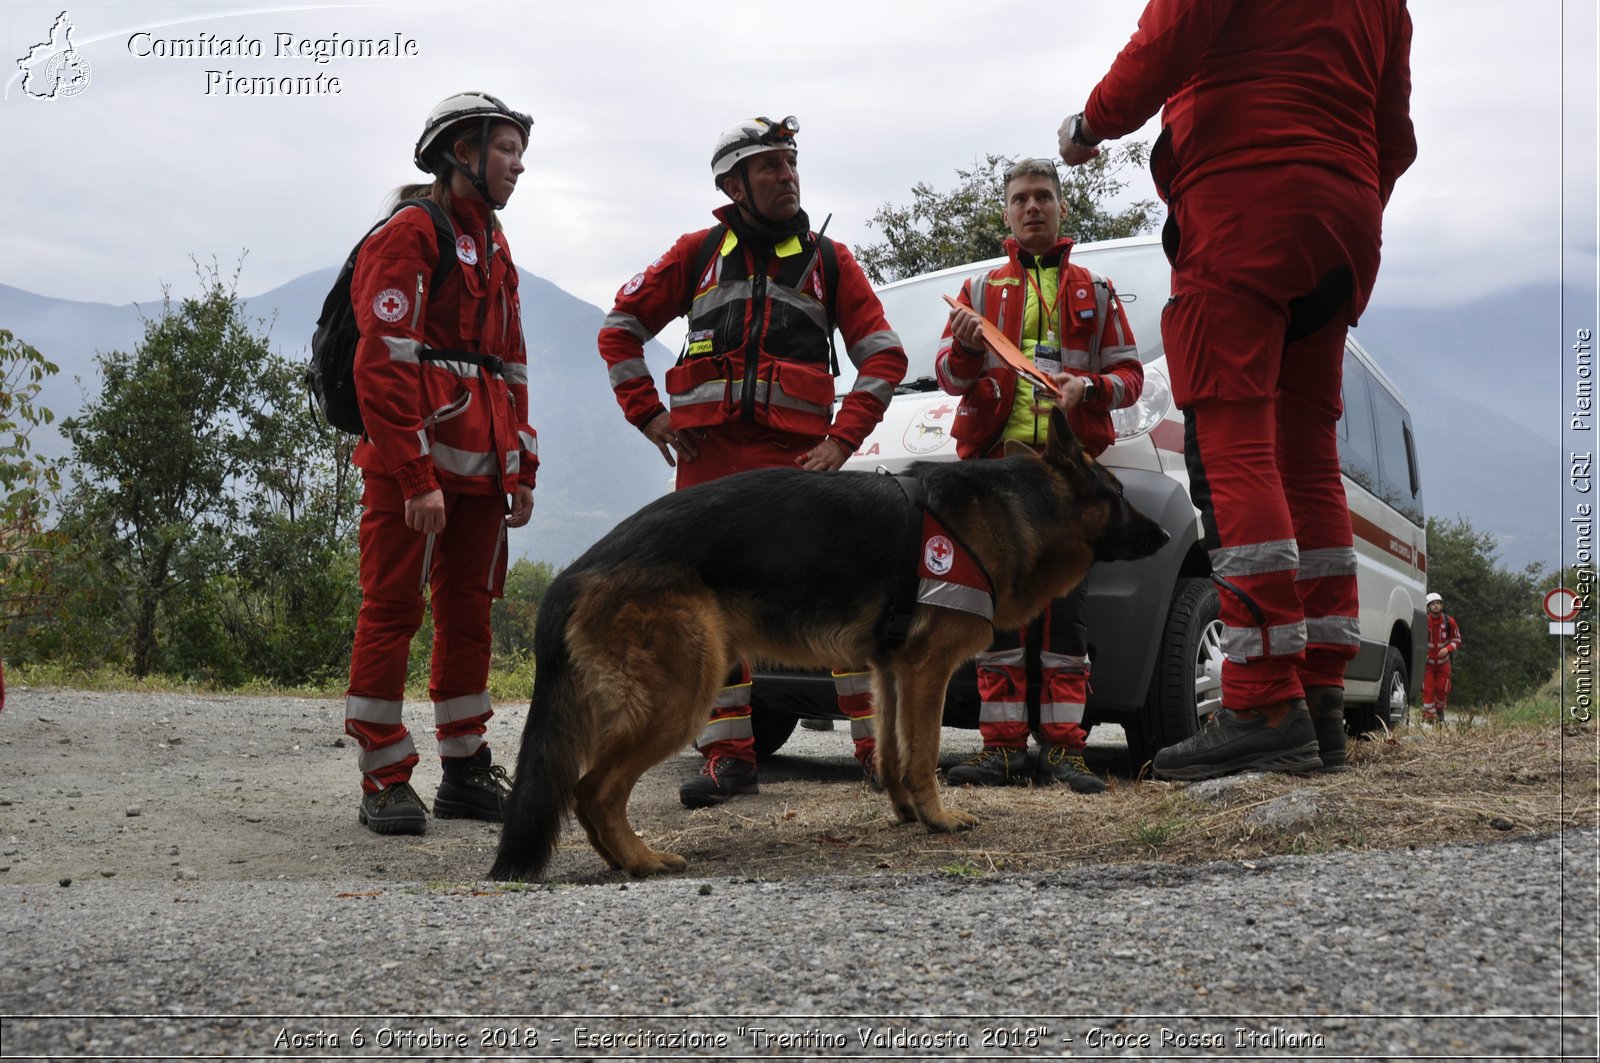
751,137
459,108
1435,597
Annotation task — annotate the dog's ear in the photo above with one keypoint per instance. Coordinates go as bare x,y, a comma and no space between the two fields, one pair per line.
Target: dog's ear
1063,447
1016,448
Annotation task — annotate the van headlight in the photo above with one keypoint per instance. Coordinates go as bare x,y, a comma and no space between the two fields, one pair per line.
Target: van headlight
1155,401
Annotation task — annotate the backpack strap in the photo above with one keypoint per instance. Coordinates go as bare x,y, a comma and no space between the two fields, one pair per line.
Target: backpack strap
830,282
444,232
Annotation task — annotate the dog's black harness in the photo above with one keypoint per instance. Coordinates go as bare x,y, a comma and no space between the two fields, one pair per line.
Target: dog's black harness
894,625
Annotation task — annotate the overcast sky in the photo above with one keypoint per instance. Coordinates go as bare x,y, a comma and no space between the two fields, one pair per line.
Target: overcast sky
109,192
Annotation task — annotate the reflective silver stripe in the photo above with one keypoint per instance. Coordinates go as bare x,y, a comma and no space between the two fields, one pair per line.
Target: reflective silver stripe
846,684
710,391
465,707
454,408
464,462
530,443
1117,390
1060,712
1003,712
1002,658
632,369
803,303
460,746
372,710
1242,643
403,350
954,596
1327,561
1064,662
731,729
427,562
1333,630
1082,361
1255,559
513,462
976,290
1117,355
875,386
947,378
514,373
873,343
734,696
627,323
423,449
863,727
716,298
373,760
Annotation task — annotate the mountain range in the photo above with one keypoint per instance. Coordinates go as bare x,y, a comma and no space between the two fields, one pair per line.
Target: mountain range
1485,399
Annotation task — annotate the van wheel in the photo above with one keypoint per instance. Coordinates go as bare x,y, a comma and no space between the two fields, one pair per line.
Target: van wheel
771,728
1187,685
1393,706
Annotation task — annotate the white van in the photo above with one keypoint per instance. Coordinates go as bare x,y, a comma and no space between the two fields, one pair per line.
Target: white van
1154,634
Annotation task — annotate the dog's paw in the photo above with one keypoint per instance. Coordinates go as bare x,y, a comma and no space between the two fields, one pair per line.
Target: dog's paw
657,863
906,813
949,820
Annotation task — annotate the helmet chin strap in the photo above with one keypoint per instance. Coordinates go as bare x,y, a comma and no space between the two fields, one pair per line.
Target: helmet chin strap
479,180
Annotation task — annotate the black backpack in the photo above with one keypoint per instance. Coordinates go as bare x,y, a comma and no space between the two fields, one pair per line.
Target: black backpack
331,375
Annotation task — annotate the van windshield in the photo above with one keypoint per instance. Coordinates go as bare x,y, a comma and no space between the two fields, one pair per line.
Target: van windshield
916,309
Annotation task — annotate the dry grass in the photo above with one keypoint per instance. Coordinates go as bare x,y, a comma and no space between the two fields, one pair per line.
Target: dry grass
1457,783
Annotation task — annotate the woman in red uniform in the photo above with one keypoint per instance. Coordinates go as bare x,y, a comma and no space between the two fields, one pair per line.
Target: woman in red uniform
448,461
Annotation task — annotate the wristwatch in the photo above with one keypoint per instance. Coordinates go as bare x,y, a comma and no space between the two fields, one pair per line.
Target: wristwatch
1075,132
1088,389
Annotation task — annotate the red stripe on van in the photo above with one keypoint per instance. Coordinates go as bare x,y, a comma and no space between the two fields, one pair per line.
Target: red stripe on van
1381,538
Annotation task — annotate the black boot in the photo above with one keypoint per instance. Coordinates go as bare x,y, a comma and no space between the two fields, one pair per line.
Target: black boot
396,809
1327,716
473,788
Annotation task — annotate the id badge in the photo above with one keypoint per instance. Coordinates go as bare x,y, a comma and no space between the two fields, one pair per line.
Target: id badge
1047,359
700,343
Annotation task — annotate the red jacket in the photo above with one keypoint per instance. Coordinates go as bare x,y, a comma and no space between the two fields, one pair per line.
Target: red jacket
1249,83
442,424
794,389
1096,342
1444,638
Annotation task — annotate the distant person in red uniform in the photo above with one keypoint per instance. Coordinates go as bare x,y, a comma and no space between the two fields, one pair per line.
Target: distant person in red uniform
753,389
1285,127
448,462
1444,639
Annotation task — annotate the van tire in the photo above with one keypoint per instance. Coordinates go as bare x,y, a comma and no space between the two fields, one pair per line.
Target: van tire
1393,704
771,728
1187,680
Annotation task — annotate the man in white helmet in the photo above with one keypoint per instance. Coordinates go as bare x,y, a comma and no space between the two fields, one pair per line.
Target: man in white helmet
753,389
1444,639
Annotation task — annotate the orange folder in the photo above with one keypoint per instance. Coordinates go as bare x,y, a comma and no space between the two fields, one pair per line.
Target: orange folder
1007,352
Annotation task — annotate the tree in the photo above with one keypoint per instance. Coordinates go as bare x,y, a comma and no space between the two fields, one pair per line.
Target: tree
27,484
206,489
1506,648
513,616
942,229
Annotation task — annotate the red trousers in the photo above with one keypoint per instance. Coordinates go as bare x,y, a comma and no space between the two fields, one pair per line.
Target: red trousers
1062,637
1270,268
725,450
1436,687
463,568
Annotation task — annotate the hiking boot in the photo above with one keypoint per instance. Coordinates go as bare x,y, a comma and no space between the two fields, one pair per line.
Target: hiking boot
395,809
719,779
993,766
1326,705
1244,741
1057,763
472,788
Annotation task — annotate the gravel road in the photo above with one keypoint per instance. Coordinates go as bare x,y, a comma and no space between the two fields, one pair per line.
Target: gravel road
278,929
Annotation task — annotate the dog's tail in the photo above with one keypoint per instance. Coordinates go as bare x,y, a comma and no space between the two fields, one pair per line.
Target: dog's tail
553,747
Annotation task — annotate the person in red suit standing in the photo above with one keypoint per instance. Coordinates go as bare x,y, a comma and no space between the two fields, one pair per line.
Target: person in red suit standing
1285,127
1444,639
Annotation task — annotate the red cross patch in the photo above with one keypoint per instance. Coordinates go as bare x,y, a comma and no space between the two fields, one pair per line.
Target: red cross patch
391,304
938,553
466,250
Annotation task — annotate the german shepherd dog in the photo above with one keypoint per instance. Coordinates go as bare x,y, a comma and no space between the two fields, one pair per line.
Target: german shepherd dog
795,568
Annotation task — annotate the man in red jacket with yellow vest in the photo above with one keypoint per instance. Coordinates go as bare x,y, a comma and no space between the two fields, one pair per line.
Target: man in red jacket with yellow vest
753,389
1068,321
1285,127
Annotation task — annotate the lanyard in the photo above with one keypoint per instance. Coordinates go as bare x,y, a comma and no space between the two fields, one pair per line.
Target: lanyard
1046,310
